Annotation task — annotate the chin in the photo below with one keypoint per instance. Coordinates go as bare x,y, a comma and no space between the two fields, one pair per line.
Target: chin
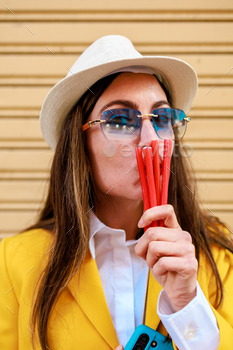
137,194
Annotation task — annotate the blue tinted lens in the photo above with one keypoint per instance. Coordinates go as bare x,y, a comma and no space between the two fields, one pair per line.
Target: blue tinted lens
169,123
122,124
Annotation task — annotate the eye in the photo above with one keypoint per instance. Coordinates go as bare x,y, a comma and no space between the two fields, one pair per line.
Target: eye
161,121
122,121
119,119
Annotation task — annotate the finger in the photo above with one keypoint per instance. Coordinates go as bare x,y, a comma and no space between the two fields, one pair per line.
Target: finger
184,267
120,347
163,234
156,250
162,212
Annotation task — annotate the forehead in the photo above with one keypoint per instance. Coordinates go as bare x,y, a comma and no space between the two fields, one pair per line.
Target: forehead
141,91
140,87
132,80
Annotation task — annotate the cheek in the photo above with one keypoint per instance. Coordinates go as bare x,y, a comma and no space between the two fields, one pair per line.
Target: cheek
104,161
95,151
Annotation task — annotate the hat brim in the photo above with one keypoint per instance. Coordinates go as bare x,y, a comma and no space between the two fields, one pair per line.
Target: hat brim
180,76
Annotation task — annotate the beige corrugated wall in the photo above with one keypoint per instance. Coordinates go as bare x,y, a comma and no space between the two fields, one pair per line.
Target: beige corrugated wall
40,39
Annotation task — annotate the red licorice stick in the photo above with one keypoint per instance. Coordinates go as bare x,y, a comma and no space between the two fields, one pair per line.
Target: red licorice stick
150,179
155,152
165,172
142,175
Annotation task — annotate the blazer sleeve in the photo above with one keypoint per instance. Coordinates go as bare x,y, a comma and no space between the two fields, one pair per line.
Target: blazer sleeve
224,313
9,305
193,315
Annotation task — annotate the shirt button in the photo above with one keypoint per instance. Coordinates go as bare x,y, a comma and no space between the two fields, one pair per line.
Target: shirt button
191,334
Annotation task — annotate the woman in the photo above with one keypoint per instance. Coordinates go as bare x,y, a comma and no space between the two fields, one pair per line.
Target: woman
84,276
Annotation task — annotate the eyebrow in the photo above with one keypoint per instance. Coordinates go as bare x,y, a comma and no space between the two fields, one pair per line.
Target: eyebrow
131,104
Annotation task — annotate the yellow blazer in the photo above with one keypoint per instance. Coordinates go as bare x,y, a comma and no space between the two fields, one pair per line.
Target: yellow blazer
81,319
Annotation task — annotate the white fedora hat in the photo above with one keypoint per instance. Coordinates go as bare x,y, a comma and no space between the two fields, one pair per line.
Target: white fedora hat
104,56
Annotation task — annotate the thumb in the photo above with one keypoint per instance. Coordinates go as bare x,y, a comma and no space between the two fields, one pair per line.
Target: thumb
120,347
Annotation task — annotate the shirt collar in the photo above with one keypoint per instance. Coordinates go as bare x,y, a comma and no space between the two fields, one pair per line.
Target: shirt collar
96,226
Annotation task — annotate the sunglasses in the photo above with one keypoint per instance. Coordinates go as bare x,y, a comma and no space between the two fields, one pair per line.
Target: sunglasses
124,124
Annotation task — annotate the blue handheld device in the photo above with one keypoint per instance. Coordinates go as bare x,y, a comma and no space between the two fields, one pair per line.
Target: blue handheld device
145,338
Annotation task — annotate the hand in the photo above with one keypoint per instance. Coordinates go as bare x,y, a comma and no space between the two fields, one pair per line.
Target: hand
170,254
120,347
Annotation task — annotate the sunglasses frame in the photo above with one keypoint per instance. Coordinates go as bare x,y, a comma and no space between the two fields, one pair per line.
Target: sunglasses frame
91,123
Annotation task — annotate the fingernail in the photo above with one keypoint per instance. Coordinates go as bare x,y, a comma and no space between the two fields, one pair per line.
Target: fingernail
120,347
141,223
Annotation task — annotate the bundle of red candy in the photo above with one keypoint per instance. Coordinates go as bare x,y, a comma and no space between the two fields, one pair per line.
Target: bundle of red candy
149,172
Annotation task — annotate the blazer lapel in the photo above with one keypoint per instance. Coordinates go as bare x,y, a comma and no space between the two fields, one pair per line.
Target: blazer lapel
86,288
152,319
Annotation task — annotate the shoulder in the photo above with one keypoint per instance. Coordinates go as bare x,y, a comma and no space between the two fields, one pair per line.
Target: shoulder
22,253
28,244
223,259
222,256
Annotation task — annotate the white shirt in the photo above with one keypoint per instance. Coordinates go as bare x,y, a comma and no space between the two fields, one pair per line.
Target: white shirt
124,278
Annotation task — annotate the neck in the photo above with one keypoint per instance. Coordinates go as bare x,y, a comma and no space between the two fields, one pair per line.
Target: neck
120,213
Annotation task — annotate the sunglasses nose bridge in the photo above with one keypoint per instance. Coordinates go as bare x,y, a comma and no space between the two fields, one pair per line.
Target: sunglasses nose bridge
149,115
148,132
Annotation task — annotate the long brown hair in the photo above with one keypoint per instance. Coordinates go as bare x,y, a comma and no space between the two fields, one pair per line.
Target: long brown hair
71,195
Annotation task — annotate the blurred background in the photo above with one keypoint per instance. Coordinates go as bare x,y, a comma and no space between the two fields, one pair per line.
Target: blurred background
40,40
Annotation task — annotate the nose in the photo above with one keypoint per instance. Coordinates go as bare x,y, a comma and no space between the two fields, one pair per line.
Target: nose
148,133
